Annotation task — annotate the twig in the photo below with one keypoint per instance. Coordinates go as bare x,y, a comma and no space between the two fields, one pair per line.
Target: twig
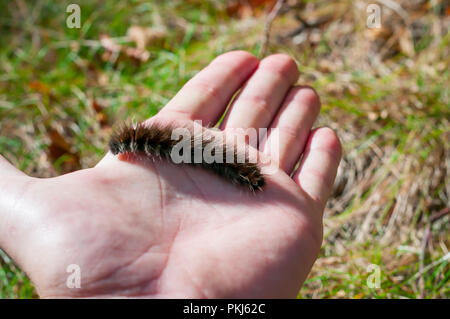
438,215
272,15
423,251
426,238
432,265
89,43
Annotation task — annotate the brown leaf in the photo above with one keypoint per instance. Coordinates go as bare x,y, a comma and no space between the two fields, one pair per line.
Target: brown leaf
59,144
109,44
101,116
60,150
247,8
406,43
142,36
383,33
39,87
137,54
115,51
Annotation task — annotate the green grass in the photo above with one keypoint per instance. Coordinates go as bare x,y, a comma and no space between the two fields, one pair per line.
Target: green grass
49,79
13,283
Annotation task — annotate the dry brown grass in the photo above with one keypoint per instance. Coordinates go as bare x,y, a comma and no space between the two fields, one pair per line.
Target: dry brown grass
384,91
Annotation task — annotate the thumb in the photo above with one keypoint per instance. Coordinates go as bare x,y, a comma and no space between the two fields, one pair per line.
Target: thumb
13,185
8,170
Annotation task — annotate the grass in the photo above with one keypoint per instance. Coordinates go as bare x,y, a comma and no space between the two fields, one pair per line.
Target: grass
59,96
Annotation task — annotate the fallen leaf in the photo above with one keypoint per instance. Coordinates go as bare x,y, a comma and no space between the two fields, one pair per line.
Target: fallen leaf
114,51
248,8
39,87
406,43
109,44
101,116
143,36
137,54
60,153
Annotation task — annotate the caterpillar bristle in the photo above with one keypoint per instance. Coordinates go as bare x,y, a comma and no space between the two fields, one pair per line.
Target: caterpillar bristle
155,140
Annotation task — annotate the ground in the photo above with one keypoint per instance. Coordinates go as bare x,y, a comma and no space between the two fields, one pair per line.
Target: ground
385,91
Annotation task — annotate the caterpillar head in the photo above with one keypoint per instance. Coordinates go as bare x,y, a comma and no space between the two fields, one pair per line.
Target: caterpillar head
121,140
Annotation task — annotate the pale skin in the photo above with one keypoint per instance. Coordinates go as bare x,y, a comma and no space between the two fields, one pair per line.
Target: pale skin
158,230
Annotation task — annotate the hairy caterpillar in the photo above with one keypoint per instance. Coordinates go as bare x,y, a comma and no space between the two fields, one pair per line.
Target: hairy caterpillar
155,140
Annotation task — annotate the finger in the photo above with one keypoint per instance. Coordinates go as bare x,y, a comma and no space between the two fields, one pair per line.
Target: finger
207,94
291,127
262,95
319,165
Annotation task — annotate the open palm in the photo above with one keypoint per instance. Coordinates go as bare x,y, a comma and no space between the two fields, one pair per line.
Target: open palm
153,229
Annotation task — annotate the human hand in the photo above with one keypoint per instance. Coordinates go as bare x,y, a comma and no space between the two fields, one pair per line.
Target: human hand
159,230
